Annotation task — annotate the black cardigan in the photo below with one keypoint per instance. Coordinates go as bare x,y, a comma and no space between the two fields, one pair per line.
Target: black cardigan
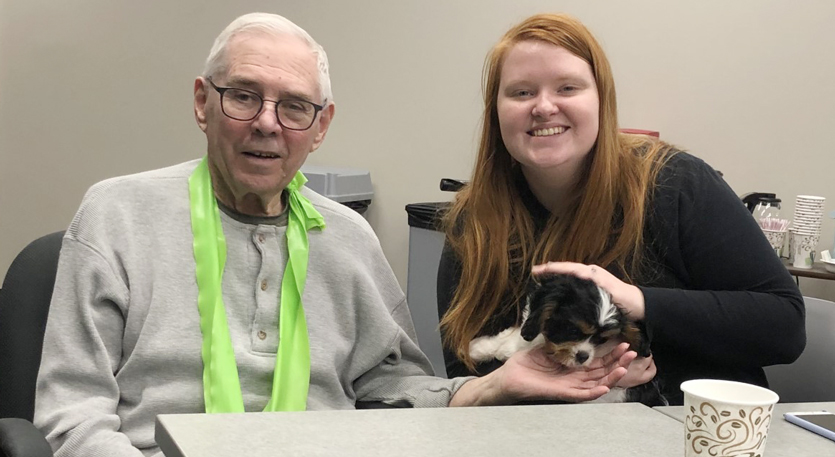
719,302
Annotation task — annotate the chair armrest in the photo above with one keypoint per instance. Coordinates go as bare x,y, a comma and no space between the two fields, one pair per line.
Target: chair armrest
19,438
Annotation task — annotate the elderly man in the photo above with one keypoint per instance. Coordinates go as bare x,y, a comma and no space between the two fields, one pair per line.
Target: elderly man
222,284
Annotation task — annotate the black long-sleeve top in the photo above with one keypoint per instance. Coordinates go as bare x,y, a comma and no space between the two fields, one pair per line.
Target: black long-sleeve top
719,302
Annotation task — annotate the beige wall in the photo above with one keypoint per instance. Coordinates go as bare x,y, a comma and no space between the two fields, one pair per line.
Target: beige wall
95,88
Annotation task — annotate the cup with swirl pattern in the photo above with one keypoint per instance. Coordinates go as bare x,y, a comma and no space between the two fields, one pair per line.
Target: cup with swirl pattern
726,418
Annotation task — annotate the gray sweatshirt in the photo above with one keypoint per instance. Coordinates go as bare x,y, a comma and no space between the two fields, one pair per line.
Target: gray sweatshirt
123,340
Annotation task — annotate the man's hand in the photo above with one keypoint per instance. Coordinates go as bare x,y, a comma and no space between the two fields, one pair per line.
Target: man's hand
533,375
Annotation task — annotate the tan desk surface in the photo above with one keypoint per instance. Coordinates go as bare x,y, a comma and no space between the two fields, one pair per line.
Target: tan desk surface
573,430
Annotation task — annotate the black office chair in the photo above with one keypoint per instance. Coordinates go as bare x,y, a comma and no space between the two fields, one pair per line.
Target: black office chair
810,377
24,305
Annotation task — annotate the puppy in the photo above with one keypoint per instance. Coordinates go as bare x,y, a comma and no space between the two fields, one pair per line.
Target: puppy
573,319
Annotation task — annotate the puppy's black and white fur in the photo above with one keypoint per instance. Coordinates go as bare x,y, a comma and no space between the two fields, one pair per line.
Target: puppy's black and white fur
574,320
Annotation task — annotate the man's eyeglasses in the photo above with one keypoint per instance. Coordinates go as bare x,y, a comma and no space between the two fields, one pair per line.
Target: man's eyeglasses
245,105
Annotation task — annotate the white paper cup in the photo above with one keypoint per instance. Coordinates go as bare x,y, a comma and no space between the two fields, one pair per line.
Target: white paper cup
726,418
807,231
808,217
776,239
803,249
807,204
803,211
806,223
812,198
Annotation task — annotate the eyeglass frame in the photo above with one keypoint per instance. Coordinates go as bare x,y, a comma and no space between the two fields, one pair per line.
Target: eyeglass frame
316,108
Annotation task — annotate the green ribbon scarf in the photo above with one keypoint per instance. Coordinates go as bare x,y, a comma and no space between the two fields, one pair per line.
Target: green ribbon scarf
291,379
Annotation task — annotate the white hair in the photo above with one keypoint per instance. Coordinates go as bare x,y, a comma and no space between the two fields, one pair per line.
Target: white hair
273,24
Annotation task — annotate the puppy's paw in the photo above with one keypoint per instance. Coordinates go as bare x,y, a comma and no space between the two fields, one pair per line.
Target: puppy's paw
499,347
482,349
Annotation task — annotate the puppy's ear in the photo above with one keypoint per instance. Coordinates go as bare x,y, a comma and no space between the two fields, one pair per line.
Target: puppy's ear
536,285
532,286
542,291
531,328
530,323
637,338
540,312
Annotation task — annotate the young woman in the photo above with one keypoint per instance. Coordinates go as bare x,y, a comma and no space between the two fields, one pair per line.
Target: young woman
557,188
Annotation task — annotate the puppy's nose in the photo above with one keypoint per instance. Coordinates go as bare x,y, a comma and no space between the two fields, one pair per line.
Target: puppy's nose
581,357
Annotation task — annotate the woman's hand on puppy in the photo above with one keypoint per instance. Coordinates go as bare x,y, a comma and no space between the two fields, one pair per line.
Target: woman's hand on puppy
627,297
640,371
533,375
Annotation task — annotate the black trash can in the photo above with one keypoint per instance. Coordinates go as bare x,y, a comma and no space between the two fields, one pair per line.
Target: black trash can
426,241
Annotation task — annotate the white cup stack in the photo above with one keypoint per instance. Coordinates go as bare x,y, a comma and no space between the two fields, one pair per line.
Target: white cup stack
806,229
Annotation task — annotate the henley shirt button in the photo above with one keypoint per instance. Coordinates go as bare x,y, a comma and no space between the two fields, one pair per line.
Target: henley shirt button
260,237
262,334
264,285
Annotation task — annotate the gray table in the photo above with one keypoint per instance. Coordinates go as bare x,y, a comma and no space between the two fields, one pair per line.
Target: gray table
784,438
577,430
